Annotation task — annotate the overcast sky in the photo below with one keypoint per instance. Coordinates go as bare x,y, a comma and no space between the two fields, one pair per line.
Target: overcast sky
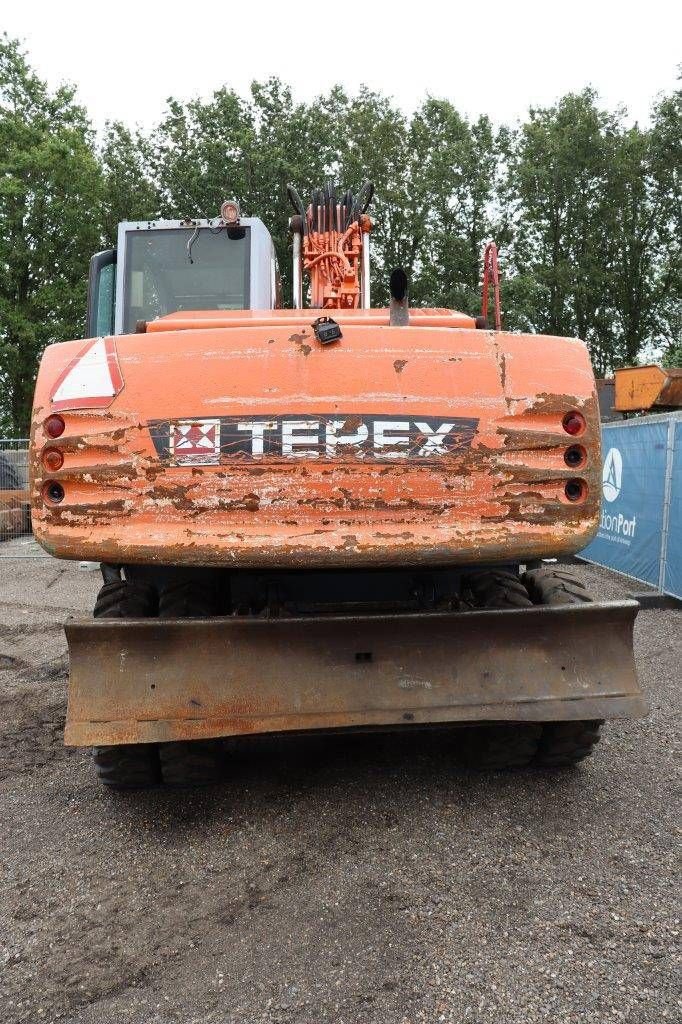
127,56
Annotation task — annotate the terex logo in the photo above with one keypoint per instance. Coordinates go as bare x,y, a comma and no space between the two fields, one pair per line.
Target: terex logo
311,436
612,475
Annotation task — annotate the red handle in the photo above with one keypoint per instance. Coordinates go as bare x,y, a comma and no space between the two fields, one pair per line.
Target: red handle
491,275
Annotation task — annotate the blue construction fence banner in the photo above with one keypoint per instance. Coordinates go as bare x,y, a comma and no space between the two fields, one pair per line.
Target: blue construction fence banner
672,580
640,533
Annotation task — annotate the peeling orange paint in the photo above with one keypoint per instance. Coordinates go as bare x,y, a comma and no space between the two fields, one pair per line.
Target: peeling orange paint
501,497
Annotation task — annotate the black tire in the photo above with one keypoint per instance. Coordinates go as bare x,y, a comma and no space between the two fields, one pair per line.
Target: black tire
501,746
562,743
497,588
191,763
555,586
129,766
132,765
125,600
188,599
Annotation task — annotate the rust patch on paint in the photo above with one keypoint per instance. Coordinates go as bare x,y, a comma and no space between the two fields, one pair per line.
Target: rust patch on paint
300,341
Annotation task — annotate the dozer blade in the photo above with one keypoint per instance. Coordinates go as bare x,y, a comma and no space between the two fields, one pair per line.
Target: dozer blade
151,680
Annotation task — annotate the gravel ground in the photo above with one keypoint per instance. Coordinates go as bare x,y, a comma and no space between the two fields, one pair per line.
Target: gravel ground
356,881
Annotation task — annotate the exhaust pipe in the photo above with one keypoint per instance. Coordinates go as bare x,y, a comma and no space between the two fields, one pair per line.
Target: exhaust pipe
399,309
297,271
298,225
364,278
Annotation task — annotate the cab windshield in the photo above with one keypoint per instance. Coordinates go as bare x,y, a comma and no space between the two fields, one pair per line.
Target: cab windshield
161,278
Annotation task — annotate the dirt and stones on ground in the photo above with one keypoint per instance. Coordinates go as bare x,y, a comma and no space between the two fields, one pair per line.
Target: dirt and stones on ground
353,881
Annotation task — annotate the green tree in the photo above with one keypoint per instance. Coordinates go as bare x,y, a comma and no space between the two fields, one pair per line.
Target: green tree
457,174
596,206
631,217
373,144
129,192
227,147
666,172
643,222
585,209
560,182
49,194
672,354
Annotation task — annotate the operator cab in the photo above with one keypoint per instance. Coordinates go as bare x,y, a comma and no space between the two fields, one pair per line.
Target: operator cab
164,266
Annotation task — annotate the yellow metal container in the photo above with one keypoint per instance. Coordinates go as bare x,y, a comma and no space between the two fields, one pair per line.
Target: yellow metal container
639,388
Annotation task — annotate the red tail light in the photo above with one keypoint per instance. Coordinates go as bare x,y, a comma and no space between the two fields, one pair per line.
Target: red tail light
52,459
53,492
54,426
573,423
575,490
575,456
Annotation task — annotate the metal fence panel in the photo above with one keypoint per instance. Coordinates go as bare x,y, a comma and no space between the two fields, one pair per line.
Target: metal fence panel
639,533
672,578
15,518
633,486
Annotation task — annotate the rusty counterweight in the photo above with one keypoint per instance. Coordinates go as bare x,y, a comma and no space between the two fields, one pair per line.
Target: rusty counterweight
248,447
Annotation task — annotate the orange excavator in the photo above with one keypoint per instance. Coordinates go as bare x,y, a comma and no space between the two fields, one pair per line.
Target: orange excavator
329,517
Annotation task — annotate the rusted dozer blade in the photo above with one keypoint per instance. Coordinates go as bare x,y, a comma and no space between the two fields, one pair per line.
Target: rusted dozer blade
150,680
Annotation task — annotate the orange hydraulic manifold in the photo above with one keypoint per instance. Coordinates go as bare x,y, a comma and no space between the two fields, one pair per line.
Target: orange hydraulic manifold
332,230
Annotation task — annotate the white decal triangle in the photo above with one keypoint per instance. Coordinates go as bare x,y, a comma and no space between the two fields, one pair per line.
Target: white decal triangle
89,378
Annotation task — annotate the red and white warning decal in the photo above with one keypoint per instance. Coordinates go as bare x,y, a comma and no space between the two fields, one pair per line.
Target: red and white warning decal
195,442
91,380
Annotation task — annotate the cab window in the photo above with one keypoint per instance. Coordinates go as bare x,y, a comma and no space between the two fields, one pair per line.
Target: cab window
162,276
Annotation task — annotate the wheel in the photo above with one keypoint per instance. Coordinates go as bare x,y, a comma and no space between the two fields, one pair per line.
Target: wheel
190,763
497,588
562,744
504,745
129,766
187,599
555,586
125,600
